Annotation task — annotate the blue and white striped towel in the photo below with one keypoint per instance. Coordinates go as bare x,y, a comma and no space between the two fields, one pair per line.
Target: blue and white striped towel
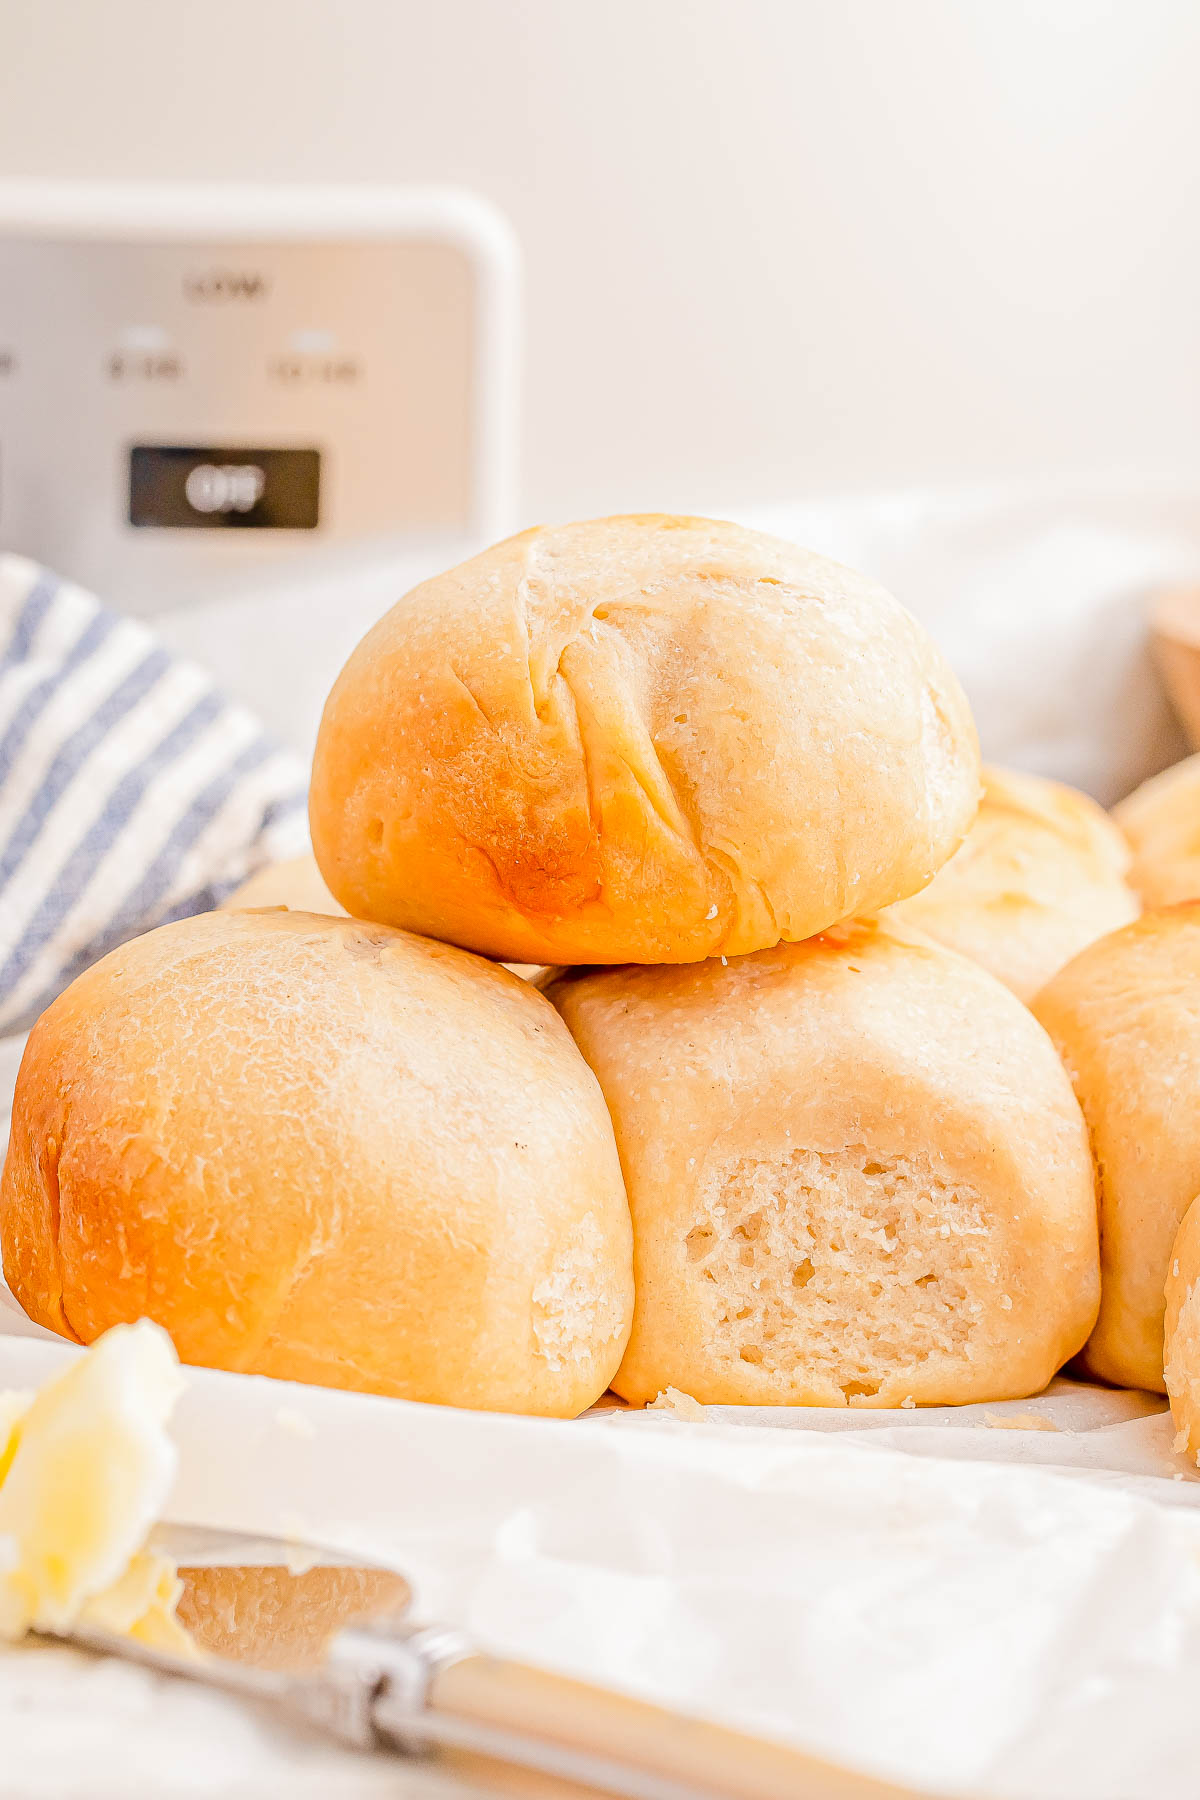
131,791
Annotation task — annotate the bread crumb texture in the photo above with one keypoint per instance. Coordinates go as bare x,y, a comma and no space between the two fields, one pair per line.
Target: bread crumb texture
578,1303
854,1265
679,1406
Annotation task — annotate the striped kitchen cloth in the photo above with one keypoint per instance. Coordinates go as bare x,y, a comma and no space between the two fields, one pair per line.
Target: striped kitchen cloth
131,791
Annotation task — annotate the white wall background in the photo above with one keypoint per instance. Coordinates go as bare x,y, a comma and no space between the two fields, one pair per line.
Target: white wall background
774,247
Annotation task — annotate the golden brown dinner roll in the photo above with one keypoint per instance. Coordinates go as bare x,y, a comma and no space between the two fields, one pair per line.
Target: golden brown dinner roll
296,883
639,739
1161,820
857,1172
327,1151
1181,1340
1125,1015
1040,876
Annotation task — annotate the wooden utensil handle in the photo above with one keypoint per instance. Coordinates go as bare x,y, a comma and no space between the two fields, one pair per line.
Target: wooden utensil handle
612,1744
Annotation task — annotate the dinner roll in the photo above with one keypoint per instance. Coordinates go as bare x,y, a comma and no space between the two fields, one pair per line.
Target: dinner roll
857,1173
1161,820
296,883
326,1151
1125,1015
1181,1338
640,739
1041,875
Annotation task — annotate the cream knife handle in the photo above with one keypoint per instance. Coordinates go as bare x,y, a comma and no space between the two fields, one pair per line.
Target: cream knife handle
604,1742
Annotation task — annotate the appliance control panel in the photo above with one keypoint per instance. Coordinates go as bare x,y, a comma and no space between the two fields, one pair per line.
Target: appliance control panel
199,382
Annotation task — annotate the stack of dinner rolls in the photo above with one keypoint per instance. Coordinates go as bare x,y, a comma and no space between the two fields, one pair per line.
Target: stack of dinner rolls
775,1124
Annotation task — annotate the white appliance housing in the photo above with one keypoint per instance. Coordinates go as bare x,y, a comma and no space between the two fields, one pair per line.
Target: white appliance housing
201,386
193,328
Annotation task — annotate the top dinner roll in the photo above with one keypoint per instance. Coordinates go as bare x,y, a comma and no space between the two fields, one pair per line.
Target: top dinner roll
645,739
1040,876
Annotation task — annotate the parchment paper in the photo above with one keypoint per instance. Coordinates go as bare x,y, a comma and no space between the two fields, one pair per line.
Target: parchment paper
926,1594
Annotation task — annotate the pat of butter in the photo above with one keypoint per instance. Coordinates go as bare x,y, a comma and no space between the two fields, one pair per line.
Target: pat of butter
85,1468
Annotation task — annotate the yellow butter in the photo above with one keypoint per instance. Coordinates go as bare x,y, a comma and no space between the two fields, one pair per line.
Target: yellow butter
142,1605
85,1469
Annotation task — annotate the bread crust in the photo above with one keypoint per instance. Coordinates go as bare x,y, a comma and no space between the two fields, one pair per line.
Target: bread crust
322,1150
1161,820
857,1172
1041,874
647,739
1181,1335
1126,1019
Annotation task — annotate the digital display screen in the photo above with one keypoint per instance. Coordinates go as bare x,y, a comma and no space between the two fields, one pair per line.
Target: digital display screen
219,489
